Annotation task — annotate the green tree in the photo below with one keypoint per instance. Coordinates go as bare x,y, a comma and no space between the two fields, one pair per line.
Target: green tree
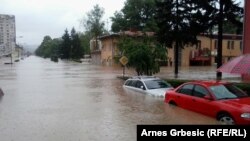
94,23
180,21
76,50
66,46
85,38
48,47
142,54
227,11
44,49
135,15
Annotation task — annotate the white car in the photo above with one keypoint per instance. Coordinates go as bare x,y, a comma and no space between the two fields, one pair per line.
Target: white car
148,84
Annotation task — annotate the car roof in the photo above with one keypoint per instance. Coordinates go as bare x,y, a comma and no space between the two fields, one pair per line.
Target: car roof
144,78
208,83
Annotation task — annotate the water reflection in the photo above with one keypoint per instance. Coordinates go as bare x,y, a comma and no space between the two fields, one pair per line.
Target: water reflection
72,101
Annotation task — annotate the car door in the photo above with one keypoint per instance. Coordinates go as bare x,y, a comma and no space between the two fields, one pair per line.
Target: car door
200,101
140,86
184,96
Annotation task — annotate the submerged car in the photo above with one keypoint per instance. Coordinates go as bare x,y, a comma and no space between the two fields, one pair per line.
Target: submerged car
221,100
148,84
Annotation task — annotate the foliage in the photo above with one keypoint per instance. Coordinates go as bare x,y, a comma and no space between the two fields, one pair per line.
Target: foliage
69,47
142,54
66,46
94,23
48,47
181,21
77,49
85,38
135,15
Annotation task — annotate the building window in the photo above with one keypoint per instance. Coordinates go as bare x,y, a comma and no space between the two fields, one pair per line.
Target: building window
241,46
230,44
198,45
215,44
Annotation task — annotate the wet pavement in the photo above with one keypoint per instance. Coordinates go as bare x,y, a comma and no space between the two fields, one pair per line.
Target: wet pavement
67,101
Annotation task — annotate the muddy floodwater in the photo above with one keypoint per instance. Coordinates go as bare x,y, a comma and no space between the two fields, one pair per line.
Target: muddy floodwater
67,101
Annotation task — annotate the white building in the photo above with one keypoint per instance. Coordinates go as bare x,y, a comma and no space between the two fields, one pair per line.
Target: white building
7,34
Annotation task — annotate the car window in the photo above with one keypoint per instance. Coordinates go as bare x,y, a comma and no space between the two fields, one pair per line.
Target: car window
186,89
133,83
128,83
227,91
156,84
200,91
139,84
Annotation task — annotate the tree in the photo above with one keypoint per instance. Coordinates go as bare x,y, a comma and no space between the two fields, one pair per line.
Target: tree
135,15
94,23
228,11
118,22
48,47
179,23
85,38
66,46
76,50
143,54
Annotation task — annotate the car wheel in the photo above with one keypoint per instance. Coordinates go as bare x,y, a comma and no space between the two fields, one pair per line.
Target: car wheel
226,119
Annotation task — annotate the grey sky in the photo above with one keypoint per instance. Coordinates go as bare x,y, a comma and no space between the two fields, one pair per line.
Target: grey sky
37,18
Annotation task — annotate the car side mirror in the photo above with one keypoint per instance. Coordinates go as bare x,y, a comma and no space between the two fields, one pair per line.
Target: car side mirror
208,97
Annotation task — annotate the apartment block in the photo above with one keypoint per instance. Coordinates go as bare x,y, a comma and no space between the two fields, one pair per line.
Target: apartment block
7,34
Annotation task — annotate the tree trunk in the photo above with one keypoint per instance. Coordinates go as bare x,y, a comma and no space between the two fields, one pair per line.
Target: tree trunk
176,59
220,38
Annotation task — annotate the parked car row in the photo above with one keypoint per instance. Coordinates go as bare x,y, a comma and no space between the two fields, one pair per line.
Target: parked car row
221,100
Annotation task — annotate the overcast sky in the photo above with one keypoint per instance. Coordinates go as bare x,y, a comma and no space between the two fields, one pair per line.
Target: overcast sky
37,18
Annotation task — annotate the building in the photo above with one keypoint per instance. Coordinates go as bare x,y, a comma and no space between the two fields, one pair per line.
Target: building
107,52
205,52
202,54
7,34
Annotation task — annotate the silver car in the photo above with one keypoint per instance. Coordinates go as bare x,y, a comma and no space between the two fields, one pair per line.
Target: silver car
148,84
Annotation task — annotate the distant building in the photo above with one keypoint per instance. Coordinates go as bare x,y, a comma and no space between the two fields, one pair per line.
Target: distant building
7,34
205,52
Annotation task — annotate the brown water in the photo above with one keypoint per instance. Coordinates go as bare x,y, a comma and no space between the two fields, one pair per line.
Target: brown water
67,101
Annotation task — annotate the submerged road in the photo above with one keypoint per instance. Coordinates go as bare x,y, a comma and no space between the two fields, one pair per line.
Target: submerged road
68,101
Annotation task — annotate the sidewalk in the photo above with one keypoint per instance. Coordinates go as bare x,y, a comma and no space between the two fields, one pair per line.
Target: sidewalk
196,73
192,73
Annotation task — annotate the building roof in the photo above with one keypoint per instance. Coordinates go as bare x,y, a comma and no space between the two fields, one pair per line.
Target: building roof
127,33
225,36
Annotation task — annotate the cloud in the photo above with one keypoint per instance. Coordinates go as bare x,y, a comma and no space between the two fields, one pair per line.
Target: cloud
38,18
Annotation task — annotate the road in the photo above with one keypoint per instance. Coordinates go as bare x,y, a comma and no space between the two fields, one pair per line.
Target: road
67,101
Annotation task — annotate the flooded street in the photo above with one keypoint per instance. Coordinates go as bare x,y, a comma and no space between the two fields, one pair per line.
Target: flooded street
67,101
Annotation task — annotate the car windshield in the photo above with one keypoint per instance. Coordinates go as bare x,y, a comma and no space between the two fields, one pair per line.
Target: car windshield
156,84
227,91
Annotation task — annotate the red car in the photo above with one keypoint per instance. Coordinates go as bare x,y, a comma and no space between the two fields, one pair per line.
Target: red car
218,99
